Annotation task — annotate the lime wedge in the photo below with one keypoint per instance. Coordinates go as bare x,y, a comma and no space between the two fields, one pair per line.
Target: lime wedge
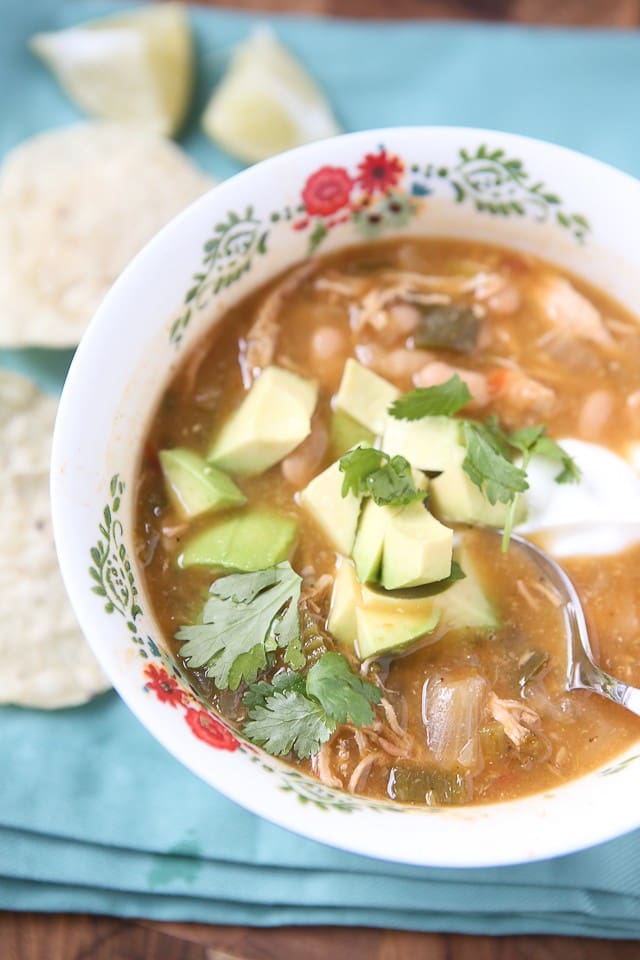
266,103
135,68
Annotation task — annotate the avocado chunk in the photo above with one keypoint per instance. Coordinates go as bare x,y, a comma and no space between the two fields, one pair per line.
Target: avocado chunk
372,623
401,546
437,444
272,420
248,541
194,486
345,599
432,443
335,514
453,496
345,433
365,396
417,548
381,631
465,603
369,542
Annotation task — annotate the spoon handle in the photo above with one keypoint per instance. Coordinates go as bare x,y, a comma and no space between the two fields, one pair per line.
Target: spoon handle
587,676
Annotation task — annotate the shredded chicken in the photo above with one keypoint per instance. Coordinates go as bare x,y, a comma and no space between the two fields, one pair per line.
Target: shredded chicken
516,718
342,285
259,348
361,772
392,718
312,591
524,591
321,765
569,312
548,592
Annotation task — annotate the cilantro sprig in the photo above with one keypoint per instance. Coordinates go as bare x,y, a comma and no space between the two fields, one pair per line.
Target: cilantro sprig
372,473
441,400
247,616
300,714
488,465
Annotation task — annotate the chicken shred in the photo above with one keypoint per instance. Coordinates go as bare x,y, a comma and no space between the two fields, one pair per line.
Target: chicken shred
516,718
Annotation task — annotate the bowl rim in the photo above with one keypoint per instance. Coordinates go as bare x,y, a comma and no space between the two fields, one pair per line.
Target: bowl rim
598,830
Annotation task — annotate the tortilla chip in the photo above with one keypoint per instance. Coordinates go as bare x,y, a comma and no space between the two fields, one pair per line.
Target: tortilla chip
45,660
76,204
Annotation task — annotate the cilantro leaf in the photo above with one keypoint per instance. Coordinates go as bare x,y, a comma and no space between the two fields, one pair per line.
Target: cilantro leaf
247,615
441,400
372,473
289,721
533,441
488,468
342,693
285,680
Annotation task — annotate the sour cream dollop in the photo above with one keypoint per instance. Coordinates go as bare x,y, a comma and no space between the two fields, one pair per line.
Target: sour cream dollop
599,515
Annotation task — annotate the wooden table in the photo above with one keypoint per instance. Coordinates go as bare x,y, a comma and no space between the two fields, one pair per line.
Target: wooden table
62,937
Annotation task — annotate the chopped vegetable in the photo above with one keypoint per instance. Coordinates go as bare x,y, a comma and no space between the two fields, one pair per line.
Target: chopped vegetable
411,784
531,667
372,473
451,713
443,399
449,326
493,741
247,616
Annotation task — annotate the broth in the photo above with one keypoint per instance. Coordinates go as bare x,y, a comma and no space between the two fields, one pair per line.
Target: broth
535,346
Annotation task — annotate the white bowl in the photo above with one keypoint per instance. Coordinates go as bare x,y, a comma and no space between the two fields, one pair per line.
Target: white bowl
479,184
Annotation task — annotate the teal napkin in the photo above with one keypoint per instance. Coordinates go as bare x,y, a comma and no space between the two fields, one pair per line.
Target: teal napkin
94,815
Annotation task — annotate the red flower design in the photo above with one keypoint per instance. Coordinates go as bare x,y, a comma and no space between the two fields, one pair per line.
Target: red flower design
326,191
166,689
209,729
379,172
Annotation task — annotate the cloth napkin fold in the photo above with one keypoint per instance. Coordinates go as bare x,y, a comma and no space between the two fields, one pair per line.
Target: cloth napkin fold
94,815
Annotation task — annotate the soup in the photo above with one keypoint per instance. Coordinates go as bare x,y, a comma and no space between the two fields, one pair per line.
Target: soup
325,503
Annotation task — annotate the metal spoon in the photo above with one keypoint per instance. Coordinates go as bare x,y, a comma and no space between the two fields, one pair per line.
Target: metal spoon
582,672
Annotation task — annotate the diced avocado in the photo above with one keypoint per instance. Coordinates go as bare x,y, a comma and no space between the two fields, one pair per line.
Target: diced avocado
345,598
337,515
381,631
453,496
365,396
369,542
464,603
250,540
417,548
432,443
345,433
273,418
194,486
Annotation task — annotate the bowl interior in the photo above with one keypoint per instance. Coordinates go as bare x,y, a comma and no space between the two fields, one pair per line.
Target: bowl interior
441,182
